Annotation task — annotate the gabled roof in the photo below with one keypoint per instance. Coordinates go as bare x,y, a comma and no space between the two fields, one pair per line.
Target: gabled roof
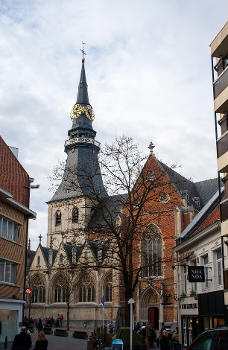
68,249
199,220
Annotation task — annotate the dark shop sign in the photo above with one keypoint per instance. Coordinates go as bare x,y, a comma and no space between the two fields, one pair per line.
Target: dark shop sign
196,274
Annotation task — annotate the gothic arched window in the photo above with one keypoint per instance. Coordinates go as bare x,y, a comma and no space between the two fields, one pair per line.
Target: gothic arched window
58,218
75,214
152,252
108,289
60,290
38,290
86,292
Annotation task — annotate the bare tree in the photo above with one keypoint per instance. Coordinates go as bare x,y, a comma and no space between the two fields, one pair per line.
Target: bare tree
133,199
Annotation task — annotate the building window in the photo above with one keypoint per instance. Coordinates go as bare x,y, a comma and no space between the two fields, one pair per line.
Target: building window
9,229
75,214
150,176
60,294
7,271
61,289
205,261
184,278
108,290
38,260
86,291
164,198
152,253
38,290
218,268
58,218
38,294
61,258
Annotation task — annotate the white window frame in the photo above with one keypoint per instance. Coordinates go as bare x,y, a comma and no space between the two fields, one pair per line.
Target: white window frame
12,270
218,267
5,232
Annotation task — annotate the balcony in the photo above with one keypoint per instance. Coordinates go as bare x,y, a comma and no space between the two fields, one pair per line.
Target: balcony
221,83
219,46
222,145
224,209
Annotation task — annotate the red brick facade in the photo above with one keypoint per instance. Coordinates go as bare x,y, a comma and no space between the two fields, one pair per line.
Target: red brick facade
13,177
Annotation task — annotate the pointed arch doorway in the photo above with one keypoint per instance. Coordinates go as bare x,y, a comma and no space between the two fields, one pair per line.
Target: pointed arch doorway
153,317
150,306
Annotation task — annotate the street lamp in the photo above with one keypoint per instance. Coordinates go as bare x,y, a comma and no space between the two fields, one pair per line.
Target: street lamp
131,302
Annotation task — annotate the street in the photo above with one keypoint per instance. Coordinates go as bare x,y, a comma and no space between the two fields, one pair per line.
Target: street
62,343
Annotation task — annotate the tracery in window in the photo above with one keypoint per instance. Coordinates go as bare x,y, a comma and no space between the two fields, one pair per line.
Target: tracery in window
108,289
86,292
38,290
152,252
60,290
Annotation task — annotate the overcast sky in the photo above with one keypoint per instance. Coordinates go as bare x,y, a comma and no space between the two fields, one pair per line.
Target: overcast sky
148,72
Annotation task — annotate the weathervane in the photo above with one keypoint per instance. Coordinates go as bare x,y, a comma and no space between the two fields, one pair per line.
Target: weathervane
83,51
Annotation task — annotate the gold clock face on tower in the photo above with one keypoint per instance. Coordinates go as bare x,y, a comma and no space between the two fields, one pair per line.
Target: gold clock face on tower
79,109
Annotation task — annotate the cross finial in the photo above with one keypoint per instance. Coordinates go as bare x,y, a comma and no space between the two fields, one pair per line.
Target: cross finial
83,51
40,238
151,147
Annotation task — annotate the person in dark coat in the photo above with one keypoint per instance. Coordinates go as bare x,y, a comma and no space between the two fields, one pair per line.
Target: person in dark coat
39,325
22,340
42,342
164,341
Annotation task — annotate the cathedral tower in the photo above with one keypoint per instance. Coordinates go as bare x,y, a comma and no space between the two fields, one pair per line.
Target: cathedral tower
69,210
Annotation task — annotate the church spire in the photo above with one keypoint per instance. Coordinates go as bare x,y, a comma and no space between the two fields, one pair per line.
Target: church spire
82,106
82,165
83,97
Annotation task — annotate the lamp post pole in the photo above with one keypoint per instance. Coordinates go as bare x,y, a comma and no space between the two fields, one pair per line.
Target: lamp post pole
131,302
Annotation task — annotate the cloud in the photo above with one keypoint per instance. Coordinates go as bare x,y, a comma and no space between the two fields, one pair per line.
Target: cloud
148,71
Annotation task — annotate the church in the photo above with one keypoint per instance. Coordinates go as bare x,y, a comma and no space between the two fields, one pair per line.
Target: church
57,274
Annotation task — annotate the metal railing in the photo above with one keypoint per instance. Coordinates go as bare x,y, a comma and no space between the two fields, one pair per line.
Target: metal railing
221,83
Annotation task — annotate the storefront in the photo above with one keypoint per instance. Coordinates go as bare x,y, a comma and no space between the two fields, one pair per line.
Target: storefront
190,329
10,317
211,309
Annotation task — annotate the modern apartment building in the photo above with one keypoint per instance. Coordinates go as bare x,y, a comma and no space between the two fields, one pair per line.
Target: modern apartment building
219,59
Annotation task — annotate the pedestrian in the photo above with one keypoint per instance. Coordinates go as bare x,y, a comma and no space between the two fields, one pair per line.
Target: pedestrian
164,341
110,327
22,340
58,321
61,320
39,326
42,342
152,337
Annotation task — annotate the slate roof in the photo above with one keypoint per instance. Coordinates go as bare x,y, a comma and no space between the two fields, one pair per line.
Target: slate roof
82,175
45,251
109,208
204,190
68,249
200,218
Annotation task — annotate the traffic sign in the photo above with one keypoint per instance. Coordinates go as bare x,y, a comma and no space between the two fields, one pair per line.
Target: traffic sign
28,291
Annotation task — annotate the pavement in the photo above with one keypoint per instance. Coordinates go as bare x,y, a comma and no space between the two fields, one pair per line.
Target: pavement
62,343
66,343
